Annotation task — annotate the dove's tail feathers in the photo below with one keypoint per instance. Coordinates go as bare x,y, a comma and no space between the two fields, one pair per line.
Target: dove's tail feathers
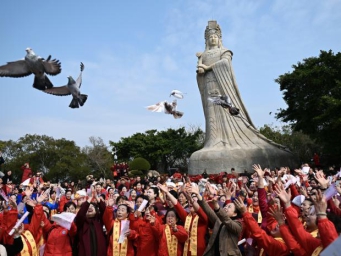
42,83
82,99
177,114
74,103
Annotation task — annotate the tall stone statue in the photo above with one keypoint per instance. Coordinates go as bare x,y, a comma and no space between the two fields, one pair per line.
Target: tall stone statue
231,140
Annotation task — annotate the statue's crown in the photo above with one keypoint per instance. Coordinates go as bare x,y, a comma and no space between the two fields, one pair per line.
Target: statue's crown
212,28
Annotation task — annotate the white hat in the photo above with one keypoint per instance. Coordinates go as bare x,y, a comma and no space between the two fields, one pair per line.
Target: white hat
80,194
298,200
170,184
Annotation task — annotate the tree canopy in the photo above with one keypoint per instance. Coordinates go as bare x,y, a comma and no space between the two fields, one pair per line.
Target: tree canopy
162,149
59,159
312,92
299,143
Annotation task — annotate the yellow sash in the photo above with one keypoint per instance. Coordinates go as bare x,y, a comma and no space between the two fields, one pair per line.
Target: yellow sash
314,233
317,251
193,235
27,238
172,242
118,249
259,214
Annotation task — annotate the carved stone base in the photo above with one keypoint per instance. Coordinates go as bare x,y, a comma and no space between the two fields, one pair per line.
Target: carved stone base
221,159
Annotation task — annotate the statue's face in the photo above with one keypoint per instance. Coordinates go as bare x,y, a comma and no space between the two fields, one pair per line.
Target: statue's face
213,40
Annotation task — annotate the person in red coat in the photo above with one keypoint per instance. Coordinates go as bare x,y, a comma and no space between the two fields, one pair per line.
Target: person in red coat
196,223
27,172
271,244
147,242
113,227
90,236
58,238
64,199
172,236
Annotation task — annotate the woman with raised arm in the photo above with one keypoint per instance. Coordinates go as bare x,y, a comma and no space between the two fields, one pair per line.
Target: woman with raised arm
114,229
172,237
90,240
227,229
196,222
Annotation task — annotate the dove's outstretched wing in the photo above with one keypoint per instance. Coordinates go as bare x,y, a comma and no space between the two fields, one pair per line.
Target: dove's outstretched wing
158,107
215,100
220,100
177,94
58,91
17,68
79,79
52,67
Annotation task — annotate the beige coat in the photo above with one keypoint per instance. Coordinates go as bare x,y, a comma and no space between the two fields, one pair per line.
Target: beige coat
229,232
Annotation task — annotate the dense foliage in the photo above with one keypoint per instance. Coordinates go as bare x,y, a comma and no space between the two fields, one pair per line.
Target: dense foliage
162,149
139,163
312,92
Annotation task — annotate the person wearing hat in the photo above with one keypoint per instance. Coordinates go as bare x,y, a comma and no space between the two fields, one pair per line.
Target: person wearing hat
90,236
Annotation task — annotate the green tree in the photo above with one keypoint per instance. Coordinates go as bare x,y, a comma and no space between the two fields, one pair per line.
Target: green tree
98,156
139,163
59,160
162,149
299,143
312,92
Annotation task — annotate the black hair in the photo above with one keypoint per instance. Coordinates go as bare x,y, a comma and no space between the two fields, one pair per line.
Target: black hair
141,196
156,191
121,197
174,193
176,215
68,204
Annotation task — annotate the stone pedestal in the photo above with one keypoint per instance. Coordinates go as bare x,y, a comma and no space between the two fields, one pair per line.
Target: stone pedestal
220,159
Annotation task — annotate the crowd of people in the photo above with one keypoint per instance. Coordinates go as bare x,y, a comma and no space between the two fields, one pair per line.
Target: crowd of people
265,212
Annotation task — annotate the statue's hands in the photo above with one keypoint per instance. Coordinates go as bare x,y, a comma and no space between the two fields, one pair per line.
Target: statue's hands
204,67
200,71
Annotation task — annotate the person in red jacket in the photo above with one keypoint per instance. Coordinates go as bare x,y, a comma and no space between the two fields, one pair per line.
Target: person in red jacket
64,199
27,172
195,222
113,227
147,242
58,238
172,236
272,245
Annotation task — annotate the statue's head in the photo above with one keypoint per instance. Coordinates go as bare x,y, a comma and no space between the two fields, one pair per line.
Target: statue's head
213,30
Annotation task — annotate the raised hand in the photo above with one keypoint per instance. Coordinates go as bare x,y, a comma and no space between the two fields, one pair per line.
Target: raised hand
240,205
111,200
277,214
319,176
211,190
259,170
283,195
163,188
130,204
151,219
320,203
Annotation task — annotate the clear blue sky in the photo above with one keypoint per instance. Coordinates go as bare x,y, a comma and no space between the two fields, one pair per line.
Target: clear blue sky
136,52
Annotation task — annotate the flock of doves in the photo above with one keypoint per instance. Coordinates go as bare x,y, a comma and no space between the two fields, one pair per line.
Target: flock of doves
170,107
34,64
